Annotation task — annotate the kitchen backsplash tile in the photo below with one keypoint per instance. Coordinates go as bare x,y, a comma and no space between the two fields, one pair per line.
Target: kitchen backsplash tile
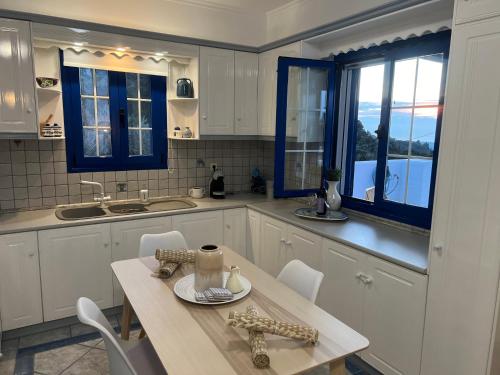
33,174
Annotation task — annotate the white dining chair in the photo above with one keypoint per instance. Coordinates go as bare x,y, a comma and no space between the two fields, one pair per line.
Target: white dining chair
303,279
171,240
125,358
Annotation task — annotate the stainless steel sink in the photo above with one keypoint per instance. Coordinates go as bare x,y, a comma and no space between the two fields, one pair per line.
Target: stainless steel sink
127,208
170,204
88,212
77,213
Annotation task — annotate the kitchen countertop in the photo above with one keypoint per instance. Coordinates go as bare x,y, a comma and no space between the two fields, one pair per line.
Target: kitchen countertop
399,246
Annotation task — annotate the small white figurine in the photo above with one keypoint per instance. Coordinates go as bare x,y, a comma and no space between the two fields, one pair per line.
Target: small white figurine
233,282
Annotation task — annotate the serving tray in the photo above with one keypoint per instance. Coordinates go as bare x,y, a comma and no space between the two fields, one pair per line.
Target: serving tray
310,213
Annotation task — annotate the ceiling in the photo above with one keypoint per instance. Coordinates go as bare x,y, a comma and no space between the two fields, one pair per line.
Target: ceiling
250,6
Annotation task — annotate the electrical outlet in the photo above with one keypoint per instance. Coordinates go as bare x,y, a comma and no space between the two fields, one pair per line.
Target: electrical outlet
121,187
213,166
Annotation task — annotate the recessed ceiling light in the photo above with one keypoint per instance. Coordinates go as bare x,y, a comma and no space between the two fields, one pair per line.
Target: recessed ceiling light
78,44
159,54
122,49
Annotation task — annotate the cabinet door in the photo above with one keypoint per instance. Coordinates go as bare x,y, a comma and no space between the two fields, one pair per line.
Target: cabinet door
394,317
20,292
235,230
272,245
74,262
303,245
17,87
342,292
245,96
200,228
126,236
253,236
216,91
465,259
471,10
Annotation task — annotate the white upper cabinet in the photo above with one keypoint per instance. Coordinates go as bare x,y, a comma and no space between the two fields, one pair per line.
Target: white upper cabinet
216,91
268,66
465,257
472,10
245,87
17,87
20,293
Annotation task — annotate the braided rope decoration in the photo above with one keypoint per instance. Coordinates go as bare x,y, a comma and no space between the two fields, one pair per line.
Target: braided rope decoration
263,324
166,269
175,256
258,345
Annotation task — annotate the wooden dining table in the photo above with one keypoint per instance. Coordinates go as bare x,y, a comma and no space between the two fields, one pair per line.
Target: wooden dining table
196,339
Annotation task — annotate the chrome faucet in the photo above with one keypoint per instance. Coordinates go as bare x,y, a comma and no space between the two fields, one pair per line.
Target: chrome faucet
103,198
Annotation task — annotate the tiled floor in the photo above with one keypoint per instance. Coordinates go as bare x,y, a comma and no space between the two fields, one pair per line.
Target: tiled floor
78,349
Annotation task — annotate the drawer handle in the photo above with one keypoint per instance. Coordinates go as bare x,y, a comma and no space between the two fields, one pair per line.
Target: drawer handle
365,279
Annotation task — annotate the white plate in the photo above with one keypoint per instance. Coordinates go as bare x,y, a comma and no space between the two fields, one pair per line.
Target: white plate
184,289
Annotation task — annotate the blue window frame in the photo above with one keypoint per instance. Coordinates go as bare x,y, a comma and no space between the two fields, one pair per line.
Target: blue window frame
304,118
389,120
114,120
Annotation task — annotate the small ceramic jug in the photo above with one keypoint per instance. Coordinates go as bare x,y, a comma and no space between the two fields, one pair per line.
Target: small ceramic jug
233,282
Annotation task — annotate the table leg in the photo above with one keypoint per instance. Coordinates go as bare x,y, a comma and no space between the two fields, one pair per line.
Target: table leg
337,367
126,318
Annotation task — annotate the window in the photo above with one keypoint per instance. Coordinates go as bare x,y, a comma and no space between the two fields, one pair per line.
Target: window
389,122
114,120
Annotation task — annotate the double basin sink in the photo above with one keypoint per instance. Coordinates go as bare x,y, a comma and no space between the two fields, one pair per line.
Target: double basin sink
89,212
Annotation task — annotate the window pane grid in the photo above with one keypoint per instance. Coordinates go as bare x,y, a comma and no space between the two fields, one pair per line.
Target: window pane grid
140,129
88,85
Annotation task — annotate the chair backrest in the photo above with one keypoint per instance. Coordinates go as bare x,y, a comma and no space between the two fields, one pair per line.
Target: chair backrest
302,278
88,313
171,240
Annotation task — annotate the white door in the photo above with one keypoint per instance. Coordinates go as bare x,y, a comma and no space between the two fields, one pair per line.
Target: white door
74,262
470,10
126,236
20,291
235,230
245,93
393,317
253,236
272,245
216,91
17,81
465,255
303,245
200,228
342,292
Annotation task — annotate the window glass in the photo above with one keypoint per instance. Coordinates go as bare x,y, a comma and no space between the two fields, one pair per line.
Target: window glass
96,123
140,141
412,129
367,120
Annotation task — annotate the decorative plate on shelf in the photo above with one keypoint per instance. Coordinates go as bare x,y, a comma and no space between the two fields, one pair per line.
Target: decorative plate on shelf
310,213
184,289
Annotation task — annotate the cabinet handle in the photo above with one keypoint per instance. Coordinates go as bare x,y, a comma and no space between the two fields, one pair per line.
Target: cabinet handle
365,279
204,117
117,244
31,255
239,119
288,243
106,244
438,249
29,109
228,226
283,240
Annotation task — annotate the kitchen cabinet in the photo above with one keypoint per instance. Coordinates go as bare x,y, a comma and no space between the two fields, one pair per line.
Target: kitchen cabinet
464,264
216,91
272,245
473,10
267,84
245,93
235,230
75,262
200,228
303,245
17,81
20,291
384,302
126,236
253,236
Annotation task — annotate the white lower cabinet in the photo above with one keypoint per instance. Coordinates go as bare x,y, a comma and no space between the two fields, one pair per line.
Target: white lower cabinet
200,228
272,245
74,262
235,230
384,302
303,245
253,236
20,293
126,236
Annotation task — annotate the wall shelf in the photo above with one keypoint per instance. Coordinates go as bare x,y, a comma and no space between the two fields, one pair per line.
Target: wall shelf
183,100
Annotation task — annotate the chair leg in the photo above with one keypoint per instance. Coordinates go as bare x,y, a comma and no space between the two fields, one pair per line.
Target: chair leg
142,334
126,318
337,367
